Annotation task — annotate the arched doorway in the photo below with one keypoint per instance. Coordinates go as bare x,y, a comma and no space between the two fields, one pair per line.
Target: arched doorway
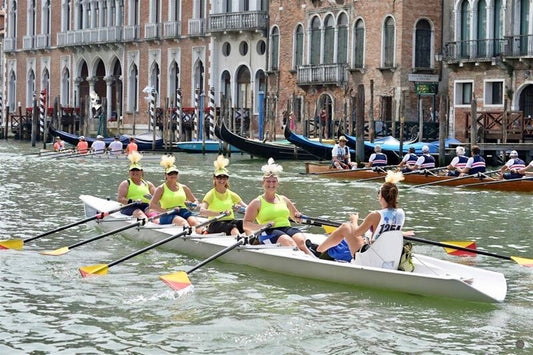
526,101
325,113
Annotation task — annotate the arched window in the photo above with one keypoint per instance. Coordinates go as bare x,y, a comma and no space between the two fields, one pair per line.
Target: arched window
30,89
12,92
481,29
342,39
274,49
243,99
316,42
464,32
45,84
173,81
65,87
298,46
359,44
133,89
388,43
329,40
498,28
226,87
198,76
260,86
524,26
154,77
423,44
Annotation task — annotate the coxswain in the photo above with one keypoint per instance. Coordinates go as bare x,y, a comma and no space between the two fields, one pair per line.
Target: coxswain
340,155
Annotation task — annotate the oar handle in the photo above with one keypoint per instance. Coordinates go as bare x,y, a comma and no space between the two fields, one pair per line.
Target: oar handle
446,245
186,231
99,215
319,221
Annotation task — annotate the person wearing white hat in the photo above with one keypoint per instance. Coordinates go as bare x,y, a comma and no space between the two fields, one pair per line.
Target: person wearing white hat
377,158
475,164
340,155
511,169
458,162
82,147
425,161
98,146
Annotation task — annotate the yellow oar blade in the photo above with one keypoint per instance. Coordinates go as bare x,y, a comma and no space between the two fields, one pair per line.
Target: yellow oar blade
328,229
56,252
178,281
98,269
11,244
465,244
522,261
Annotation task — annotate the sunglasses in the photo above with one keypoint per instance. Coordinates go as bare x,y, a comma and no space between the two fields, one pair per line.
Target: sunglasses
222,177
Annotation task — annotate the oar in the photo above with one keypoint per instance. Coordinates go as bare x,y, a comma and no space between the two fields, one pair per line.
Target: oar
338,171
19,243
180,280
65,250
503,181
101,269
519,260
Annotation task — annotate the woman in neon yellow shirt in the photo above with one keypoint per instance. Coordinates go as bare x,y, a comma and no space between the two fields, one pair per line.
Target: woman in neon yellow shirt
276,209
173,196
221,199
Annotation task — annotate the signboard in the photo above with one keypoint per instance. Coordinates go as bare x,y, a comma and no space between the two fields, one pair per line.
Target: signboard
426,88
431,78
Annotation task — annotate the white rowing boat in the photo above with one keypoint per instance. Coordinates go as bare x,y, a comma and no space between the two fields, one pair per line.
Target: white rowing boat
431,277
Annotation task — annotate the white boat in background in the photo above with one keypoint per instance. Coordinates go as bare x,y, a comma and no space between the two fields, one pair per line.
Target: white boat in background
431,277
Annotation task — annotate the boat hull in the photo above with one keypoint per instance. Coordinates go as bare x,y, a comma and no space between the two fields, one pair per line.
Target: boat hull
432,277
323,170
203,147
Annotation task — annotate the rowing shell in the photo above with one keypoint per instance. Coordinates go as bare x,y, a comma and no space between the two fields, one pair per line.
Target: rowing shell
325,170
432,277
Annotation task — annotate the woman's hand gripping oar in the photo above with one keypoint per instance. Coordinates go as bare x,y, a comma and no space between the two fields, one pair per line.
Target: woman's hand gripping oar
139,223
180,281
19,243
101,269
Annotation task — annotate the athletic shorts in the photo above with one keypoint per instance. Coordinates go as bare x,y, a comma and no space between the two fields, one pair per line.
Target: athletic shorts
225,226
271,236
128,211
183,213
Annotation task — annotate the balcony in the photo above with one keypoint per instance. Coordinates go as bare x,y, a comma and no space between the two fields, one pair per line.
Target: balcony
42,41
152,31
475,50
238,21
197,27
322,74
103,35
10,44
27,42
172,29
131,33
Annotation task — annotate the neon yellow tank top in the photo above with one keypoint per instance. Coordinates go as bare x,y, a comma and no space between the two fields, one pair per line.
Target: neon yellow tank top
171,199
222,202
277,212
137,192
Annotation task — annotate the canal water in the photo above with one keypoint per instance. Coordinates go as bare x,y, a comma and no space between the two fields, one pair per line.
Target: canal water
46,307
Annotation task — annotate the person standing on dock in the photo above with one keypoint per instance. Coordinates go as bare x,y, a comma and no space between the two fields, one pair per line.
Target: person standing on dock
377,158
458,162
511,169
475,164
221,199
409,161
340,155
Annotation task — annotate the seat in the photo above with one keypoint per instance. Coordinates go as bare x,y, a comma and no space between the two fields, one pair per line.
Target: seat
384,253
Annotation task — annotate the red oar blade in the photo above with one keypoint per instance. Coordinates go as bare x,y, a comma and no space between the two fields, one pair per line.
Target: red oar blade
522,261
16,244
178,281
92,270
467,244
56,252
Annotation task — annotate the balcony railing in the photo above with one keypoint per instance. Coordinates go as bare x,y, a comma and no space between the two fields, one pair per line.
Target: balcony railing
88,37
152,31
322,74
475,49
172,29
10,44
238,21
197,27
42,41
131,33
27,42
